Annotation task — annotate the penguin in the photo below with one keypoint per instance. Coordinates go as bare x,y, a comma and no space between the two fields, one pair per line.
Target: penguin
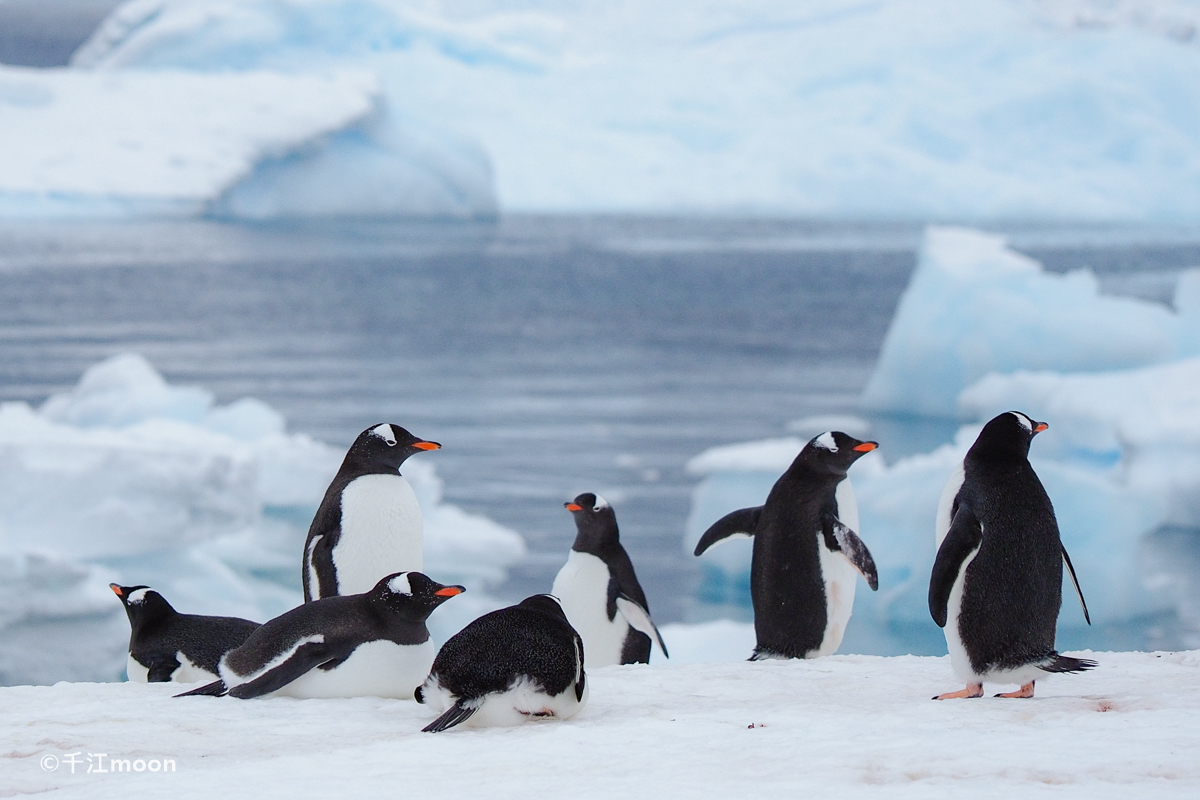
519,663
166,646
371,644
996,585
806,551
369,524
599,591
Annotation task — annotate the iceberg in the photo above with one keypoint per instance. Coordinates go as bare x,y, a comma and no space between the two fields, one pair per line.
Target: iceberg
913,109
127,478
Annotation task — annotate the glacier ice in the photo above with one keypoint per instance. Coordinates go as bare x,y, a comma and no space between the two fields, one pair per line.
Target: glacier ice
905,108
128,478
974,307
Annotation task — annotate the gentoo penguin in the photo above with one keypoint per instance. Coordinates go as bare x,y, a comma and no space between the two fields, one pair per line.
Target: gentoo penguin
372,644
996,585
518,663
600,592
806,551
165,645
369,524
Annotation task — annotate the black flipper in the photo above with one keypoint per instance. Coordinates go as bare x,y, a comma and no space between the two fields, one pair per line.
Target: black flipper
160,669
736,523
214,689
639,619
307,657
1071,569
964,536
1069,664
457,715
846,542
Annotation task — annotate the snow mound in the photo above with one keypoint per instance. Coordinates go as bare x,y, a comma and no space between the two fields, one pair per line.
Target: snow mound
906,108
842,726
127,478
973,307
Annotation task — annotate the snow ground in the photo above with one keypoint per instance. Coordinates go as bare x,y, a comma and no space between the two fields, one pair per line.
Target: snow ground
845,726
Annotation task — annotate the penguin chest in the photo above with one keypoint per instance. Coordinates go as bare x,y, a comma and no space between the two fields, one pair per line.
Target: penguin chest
375,669
838,576
381,532
135,671
582,587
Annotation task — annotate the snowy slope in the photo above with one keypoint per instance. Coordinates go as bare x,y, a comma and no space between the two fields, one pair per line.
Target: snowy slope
902,108
844,726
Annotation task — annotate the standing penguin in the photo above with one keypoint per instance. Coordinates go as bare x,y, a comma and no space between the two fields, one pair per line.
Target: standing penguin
518,663
600,592
369,524
806,551
996,586
165,645
372,644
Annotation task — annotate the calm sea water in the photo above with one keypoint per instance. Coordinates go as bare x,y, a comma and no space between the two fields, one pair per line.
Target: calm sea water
550,356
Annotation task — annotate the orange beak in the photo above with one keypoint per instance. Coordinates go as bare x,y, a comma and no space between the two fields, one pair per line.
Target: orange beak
427,446
866,447
1041,426
572,507
116,590
449,591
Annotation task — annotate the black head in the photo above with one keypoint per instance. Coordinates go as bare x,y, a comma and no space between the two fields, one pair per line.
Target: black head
1007,436
142,604
832,452
411,595
386,445
595,523
545,603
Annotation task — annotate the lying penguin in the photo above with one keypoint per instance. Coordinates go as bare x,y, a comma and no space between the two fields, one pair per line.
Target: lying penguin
806,551
996,586
371,644
165,645
600,592
519,663
369,524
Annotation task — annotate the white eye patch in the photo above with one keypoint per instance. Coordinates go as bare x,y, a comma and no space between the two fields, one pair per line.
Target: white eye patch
138,597
825,440
400,584
1025,421
601,503
386,433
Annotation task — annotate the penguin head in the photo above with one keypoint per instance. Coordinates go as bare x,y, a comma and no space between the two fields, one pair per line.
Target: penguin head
142,604
832,452
545,603
595,523
411,595
386,445
1007,435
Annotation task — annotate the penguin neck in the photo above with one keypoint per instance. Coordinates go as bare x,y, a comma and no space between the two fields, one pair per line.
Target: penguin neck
809,474
596,543
354,467
151,615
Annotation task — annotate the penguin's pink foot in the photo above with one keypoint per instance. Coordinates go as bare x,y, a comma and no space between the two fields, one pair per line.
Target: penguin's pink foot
1024,691
972,690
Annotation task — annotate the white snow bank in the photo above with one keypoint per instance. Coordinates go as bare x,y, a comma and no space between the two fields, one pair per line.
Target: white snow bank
253,144
905,108
127,478
973,306
843,726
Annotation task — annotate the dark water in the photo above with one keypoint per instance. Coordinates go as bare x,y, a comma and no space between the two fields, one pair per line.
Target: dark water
550,356
44,33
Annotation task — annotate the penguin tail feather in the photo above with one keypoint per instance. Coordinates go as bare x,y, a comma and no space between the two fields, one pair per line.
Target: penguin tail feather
214,689
1068,664
457,715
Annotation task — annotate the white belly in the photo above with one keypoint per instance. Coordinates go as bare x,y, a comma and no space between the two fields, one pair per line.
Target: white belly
135,672
374,669
582,587
524,701
950,491
839,575
959,659
187,672
381,532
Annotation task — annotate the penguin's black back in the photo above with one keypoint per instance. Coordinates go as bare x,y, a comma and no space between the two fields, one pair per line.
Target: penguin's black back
530,639
1013,588
202,639
786,584
344,621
